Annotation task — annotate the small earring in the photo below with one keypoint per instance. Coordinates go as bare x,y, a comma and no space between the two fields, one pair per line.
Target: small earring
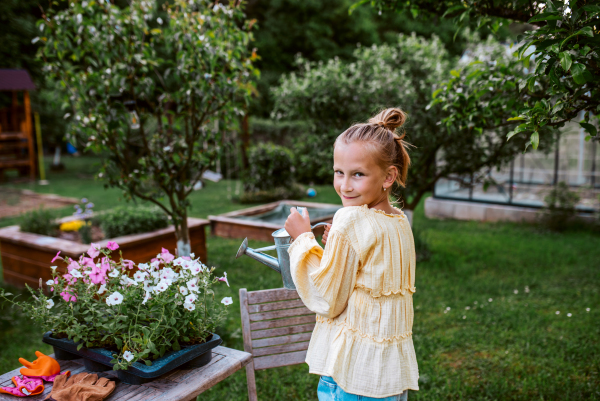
384,188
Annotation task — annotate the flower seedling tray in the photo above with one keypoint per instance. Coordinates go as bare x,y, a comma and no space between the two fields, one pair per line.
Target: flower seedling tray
98,359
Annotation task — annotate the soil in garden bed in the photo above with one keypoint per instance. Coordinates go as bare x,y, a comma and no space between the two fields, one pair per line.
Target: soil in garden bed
75,236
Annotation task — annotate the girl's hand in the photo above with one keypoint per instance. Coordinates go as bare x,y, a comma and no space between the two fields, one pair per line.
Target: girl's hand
326,234
296,224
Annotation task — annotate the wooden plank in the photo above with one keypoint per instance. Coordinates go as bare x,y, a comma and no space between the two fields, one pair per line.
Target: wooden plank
121,390
275,361
267,342
283,331
134,394
213,374
280,349
146,394
195,372
247,335
281,313
274,295
271,324
296,303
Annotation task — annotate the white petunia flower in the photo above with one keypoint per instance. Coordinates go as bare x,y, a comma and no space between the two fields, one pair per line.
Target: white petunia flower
49,304
143,266
179,261
113,273
50,282
161,286
192,255
196,268
148,285
102,289
128,356
76,273
189,307
116,298
190,299
192,285
146,298
183,291
227,301
140,276
53,268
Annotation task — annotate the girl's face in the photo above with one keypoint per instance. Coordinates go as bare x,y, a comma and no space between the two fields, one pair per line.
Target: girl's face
358,179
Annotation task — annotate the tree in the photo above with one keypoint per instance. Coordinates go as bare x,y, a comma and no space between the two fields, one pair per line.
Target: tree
563,40
147,88
333,95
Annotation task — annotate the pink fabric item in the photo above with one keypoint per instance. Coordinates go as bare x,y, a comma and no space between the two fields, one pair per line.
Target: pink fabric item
24,386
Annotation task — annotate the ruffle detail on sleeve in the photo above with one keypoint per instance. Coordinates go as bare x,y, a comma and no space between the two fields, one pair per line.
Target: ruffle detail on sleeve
305,242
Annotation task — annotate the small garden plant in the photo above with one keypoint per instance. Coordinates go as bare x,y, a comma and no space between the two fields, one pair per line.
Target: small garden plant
99,302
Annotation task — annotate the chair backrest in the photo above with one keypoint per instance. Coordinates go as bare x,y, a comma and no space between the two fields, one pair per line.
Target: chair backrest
276,327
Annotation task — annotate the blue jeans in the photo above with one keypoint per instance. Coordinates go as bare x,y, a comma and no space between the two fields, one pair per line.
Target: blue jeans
328,390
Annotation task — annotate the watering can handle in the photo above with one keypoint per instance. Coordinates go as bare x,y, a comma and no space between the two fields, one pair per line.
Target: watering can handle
318,225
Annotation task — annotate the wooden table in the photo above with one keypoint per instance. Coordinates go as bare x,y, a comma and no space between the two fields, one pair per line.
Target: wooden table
179,384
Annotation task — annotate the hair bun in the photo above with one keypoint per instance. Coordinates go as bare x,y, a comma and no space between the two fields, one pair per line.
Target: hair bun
391,118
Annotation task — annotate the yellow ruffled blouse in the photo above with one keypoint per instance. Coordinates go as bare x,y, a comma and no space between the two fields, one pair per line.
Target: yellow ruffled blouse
361,289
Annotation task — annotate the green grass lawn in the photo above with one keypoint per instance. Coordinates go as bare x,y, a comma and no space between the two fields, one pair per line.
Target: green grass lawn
486,323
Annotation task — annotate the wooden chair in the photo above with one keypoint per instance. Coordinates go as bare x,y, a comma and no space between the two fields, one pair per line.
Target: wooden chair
276,327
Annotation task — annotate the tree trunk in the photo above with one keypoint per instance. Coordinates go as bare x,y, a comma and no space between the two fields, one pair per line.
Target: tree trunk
183,238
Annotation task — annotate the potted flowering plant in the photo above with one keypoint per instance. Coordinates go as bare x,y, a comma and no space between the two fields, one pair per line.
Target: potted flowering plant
126,317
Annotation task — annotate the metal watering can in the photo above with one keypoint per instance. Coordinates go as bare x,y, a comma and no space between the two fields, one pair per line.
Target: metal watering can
281,264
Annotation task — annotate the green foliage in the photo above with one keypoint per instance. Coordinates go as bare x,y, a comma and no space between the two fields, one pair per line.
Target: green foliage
278,132
41,221
294,191
331,96
143,85
270,166
562,55
125,220
142,317
270,175
560,207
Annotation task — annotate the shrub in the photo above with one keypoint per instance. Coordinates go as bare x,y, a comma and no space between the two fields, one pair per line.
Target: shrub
131,220
560,207
40,221
296,191
270,167
278,132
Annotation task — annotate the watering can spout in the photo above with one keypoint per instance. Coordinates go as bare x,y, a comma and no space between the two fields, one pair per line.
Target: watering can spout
255,254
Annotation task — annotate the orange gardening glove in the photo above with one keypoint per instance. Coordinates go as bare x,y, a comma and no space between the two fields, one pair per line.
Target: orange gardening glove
81,387
45,367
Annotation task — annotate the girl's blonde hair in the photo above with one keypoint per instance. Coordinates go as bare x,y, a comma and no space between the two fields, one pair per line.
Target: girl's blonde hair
381,133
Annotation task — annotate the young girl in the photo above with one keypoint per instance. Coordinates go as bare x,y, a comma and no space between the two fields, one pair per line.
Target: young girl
361,285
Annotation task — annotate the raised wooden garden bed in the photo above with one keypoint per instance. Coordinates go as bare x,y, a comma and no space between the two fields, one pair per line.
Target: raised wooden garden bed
230,225
26,257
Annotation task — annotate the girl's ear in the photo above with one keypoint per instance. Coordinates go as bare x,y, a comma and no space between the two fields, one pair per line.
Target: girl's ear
391,175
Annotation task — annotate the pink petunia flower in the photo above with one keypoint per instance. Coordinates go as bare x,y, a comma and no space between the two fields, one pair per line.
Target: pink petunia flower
128,263
224,279
166,255
93,251
186,258
70,279
105,265
112,245
68,297
56,257
97,275
89,262
73,265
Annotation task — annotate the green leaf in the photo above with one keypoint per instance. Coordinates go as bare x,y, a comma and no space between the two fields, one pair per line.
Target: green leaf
549,16
148,363
580,74
589,128
455,73
356,5
565,60
531,83
453,9
80,346
587,31
535,139
587,138
515,119
435,93
176,346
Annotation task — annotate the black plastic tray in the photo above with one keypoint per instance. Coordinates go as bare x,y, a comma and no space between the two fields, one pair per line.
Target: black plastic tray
98,359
